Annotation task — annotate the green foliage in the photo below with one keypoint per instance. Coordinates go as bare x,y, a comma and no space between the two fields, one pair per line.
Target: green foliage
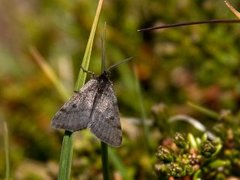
188,159
202,158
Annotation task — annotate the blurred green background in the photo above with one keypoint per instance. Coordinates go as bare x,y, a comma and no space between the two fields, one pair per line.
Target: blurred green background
173,66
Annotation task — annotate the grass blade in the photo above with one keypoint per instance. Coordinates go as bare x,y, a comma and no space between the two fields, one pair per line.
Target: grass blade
48,71
104,149
205,111
67,143
66,156
67,148
86,59
234,11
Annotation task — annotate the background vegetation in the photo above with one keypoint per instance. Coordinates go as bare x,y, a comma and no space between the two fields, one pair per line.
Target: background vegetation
199,64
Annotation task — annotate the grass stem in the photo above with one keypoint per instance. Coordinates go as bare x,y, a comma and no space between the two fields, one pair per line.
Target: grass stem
105,166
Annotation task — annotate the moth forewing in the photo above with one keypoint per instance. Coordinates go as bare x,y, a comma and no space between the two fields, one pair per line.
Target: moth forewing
105,123
94,106
74,114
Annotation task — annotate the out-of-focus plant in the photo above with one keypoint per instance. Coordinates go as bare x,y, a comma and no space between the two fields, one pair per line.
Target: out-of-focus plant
215,157
188,156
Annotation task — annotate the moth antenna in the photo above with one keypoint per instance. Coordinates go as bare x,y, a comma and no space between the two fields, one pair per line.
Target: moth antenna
103,38
117,64
87,71
213,21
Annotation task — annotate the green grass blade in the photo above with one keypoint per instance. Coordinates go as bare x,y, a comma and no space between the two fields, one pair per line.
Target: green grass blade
48,71
86,59
66,156
105,167
67,148
205,111
104,146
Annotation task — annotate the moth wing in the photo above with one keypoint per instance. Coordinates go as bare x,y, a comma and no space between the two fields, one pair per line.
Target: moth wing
105,122
74,115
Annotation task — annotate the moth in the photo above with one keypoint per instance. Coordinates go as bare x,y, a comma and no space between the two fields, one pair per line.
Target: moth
95,107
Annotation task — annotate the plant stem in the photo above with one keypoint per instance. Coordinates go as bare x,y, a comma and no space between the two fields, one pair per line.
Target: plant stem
67,145
66,156
204,110
104,149
212,21
86,58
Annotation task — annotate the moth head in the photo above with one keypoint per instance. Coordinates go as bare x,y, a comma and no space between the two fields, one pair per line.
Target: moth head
104,76
106,73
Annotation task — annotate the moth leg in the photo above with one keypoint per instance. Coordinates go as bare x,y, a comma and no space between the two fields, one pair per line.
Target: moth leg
88,72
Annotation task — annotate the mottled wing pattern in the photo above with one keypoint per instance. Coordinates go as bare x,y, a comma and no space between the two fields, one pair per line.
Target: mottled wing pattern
74,114
105,120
